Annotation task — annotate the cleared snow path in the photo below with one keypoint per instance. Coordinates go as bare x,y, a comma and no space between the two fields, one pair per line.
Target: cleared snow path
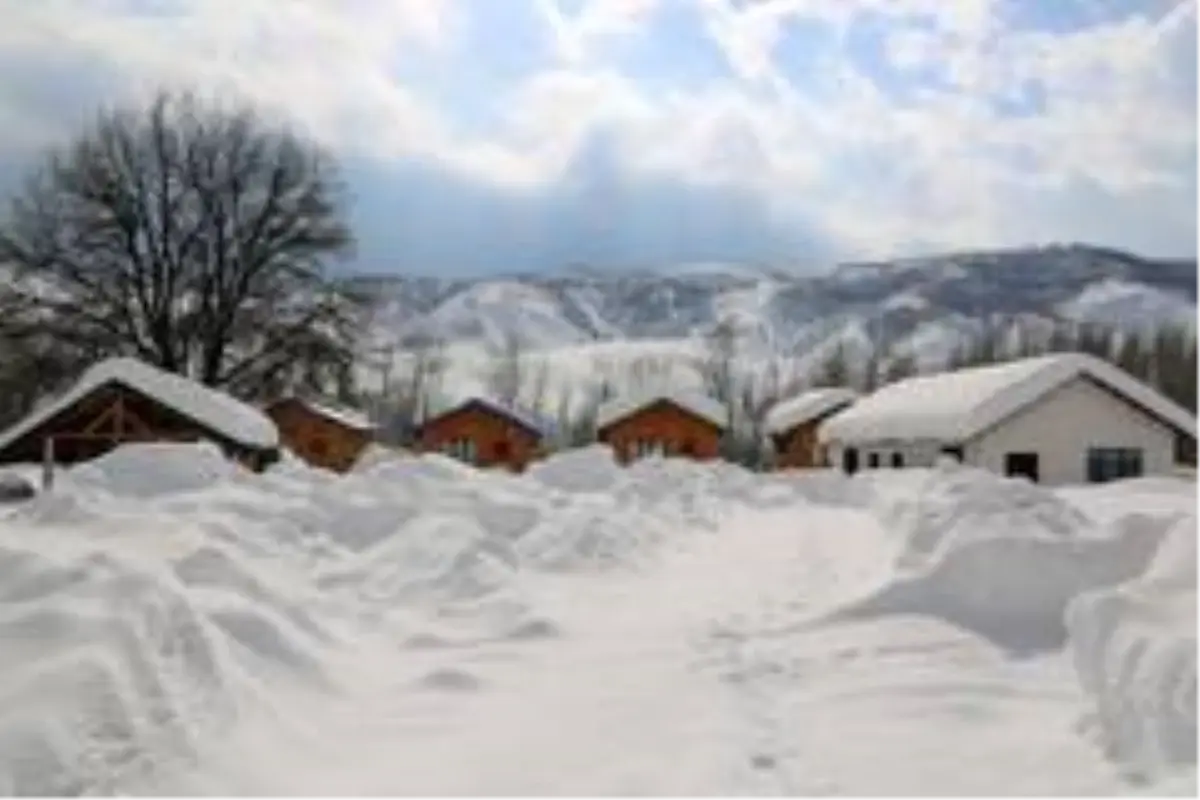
632,699
705,675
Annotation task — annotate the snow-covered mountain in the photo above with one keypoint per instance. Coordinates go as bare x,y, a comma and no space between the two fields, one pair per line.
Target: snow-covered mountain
923,306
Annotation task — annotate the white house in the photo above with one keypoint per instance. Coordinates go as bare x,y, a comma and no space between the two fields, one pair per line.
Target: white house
1060,418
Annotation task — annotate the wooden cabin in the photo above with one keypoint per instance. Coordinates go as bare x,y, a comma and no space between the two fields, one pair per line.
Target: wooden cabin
485,433
668,425
792,426
123,400
322,434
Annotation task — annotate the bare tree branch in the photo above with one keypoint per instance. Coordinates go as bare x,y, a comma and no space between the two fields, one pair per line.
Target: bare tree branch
194,237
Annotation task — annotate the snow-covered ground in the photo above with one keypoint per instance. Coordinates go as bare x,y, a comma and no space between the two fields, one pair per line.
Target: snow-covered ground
172,624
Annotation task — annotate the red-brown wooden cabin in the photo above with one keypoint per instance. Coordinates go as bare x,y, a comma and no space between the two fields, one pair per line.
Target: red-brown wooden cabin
123,400
485,433
689,426
320,433
792,425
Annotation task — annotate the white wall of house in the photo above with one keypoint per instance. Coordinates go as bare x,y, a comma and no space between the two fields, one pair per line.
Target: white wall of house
1062,426
918,453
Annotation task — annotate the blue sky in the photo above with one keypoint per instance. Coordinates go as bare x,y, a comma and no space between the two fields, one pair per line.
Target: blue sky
516,135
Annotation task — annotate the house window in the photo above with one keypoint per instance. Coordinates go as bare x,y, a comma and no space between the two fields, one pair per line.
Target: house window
897,460
687,448
873,460
502,451
1023,465
954,452
462,448
850,460
1113,463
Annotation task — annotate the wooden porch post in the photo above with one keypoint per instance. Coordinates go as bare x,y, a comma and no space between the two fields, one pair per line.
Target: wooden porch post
47,463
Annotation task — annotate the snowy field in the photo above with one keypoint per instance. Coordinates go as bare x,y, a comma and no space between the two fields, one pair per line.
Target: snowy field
173,625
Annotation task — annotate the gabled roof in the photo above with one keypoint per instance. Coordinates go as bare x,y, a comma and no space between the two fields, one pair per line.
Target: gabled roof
699,405
957,406
208,407
787,415
347,417
523,417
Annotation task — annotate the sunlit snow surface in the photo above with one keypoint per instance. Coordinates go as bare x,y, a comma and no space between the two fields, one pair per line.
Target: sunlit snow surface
172,624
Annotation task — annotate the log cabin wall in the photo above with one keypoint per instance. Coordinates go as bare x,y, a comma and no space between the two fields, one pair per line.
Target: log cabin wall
481,437
799,448
317,439
665,428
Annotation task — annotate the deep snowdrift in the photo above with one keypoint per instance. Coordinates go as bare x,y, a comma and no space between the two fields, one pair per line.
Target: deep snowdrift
1135,650
160,605
1004,558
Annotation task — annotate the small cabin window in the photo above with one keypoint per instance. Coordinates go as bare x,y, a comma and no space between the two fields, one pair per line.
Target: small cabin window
873,460
502,451
648,447
897,460
687,447
462,448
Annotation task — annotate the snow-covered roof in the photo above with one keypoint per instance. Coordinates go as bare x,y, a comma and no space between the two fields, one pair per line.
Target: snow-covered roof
956,406
212,409
805,407
348,417
702,406
527,418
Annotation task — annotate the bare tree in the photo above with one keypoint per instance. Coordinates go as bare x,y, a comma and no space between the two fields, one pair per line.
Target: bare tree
716,367
407,403
901,366
507,372
32,369
540,387
191,236
834,369
752,448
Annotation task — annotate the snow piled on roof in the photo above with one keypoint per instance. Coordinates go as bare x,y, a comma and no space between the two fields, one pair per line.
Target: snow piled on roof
955,406
699,404
349,417
526,417
787,414
211,408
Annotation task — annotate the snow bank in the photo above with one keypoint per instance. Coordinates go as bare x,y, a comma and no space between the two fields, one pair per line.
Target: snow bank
956,504
154,470
1004,558
160,594
1134,647
158,597
587,469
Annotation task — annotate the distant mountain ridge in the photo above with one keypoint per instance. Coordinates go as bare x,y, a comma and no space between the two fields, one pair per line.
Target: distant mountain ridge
920,305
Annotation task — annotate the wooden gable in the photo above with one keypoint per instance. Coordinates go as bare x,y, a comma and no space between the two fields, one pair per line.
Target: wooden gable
113,414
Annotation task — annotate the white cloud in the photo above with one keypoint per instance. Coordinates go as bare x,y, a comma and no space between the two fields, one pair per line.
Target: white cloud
576,36
941,165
